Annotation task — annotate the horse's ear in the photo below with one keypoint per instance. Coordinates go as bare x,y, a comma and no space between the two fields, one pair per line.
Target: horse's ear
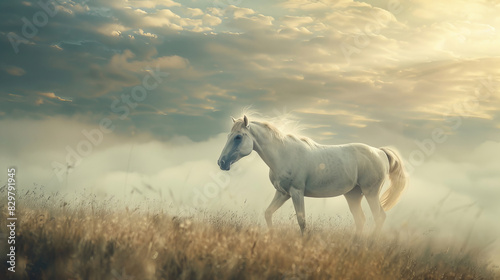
245,121
233,119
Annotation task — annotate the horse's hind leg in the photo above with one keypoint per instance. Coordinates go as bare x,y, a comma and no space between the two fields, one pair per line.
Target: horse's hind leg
353,198
377,211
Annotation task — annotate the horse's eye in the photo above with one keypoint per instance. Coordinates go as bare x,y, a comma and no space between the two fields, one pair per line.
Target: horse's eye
238,138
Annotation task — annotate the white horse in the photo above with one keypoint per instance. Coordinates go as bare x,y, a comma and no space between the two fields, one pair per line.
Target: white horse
300,167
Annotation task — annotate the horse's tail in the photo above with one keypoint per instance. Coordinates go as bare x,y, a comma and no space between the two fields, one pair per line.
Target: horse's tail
398,179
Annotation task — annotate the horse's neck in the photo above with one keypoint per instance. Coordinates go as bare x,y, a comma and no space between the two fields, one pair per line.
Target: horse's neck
267,146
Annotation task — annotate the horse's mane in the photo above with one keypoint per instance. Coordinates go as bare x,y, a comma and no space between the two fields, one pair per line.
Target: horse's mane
283,126
282,136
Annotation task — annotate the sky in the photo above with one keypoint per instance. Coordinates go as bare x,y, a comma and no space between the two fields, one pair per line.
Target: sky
134,98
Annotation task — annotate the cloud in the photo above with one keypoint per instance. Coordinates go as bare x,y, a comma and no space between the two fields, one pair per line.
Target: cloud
296,21
239,12
146,34
125,61
211,20
406,70
14,71
52,95
340,116
152,4
194,12
305,5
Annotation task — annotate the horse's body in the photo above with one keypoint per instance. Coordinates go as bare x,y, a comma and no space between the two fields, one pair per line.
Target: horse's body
300,167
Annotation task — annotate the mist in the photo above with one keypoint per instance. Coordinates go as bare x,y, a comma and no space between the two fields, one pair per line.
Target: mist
447,199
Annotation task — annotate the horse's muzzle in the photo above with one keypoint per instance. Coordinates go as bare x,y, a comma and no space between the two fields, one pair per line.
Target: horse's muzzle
224,164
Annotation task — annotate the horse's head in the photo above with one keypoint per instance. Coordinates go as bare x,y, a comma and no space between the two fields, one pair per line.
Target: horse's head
239,144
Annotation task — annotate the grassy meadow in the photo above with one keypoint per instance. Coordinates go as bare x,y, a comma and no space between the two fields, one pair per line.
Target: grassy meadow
86,239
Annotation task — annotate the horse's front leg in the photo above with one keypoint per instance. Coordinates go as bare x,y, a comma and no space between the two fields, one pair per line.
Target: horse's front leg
298,202
278,200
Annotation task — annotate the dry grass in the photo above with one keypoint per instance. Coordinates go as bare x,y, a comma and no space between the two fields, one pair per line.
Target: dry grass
100,242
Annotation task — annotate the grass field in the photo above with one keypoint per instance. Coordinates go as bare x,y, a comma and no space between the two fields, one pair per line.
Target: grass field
90,240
